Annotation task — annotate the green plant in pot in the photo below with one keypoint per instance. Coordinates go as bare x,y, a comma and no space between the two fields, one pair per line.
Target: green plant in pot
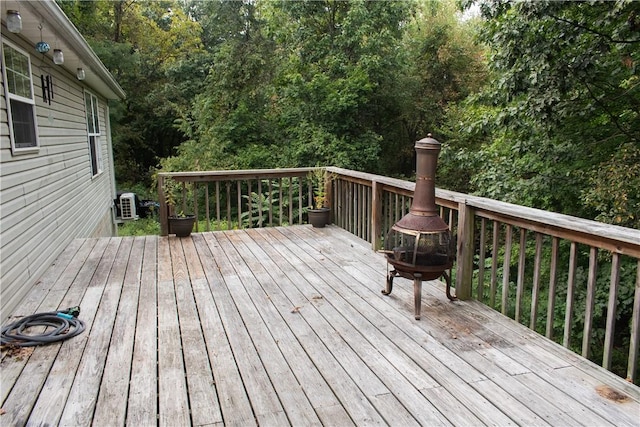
180,224
319,213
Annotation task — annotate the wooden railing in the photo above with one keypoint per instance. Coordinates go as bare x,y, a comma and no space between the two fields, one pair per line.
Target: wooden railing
239,198
543,269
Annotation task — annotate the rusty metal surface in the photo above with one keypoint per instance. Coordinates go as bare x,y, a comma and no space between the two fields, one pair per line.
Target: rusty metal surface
421,223
418,246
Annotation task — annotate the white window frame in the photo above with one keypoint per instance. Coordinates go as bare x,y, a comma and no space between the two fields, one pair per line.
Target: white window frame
12,97
92,108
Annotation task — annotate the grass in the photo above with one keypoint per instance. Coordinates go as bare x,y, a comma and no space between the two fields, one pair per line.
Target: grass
151,226
141,227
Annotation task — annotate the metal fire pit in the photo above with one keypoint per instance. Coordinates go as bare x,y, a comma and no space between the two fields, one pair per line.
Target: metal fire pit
419,246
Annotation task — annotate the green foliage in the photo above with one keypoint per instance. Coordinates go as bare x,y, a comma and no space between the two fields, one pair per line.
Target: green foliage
319,178
272,206
176,196
149,47
221,84
302,83
560,109
613,189
141,227
172,191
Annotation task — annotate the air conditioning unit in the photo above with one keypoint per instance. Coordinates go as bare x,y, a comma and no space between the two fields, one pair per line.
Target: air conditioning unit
128,206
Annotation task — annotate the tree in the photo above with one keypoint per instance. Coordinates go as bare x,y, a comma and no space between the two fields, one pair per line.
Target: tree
335,98
148,47
562,102
297,83
444,66
227,125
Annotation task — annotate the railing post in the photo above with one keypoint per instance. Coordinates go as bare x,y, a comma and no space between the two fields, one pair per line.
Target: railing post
162,209
634,342
464,267
376,215
328,191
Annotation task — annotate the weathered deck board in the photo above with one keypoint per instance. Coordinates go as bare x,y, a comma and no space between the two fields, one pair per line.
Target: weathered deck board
142,404
285,326
173,402
114,389
233,400
471,329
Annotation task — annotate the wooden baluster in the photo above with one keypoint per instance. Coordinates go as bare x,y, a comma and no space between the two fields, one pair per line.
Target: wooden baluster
535,292
218,205
358,209
376,216
591,297
290,195
482,249
239,202
206,205
270,202
349,206
184,197
522,255
259,203
396,211
300,200
195,203
571,284
505,269
229,227
249,205
369,211
451,215
611,311
551,304
280,203
162,208
494,264
634,341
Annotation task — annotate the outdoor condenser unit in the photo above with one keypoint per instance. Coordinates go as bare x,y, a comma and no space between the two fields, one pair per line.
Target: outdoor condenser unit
128,206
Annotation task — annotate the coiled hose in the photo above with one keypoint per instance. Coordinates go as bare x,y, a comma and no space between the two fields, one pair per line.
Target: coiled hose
58,326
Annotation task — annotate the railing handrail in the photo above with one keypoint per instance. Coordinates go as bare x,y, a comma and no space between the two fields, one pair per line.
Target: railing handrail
225,175
602,235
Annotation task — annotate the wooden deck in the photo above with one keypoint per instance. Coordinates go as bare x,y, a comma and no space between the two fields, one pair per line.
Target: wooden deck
285,326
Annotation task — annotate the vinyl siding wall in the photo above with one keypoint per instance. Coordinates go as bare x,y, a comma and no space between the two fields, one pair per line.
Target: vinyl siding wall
49,198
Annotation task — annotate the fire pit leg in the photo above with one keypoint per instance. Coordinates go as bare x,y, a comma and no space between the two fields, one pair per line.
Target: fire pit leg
417,293
448,279
389,287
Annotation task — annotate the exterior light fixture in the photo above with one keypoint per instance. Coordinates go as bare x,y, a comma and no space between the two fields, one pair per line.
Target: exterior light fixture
14,21
42,47
58,57
80,74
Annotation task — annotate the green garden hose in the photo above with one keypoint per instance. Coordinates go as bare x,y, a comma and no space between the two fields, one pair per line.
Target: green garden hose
57,325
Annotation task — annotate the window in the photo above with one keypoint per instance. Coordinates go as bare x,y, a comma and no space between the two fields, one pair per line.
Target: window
19,94
93,132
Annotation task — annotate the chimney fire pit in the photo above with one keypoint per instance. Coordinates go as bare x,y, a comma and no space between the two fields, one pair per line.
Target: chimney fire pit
419,246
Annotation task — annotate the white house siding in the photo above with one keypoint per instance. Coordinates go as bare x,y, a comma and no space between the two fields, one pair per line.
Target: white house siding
49,198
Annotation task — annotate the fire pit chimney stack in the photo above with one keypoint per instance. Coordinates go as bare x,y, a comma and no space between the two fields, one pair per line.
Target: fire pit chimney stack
423,214
418,246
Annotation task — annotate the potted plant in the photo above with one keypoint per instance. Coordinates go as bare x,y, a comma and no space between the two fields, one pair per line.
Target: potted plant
180,224
318,212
